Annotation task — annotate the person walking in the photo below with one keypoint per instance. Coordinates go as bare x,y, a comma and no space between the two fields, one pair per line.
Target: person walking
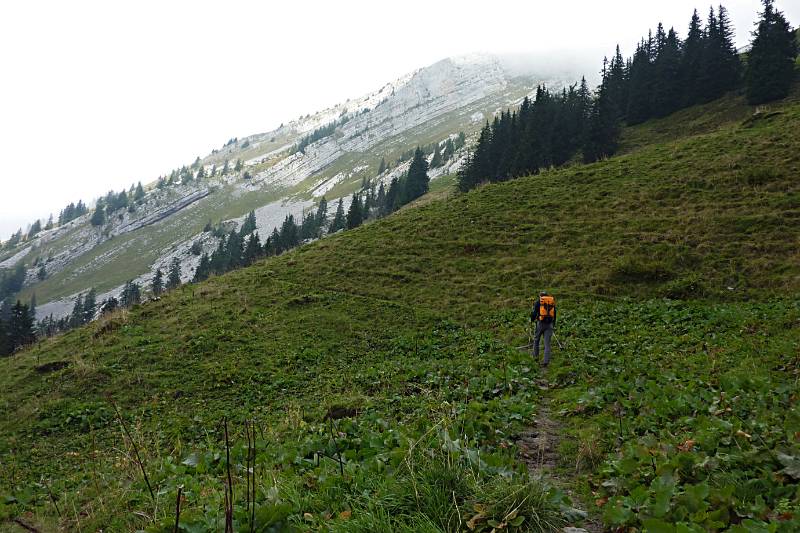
543,315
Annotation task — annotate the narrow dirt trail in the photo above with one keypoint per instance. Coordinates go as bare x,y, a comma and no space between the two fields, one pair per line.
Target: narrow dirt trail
538,449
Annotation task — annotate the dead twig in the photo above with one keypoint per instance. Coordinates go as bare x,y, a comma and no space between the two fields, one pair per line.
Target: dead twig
178,508
26,526
229,488
135,449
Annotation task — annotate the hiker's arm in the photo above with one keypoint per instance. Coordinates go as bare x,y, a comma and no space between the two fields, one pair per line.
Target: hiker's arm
555,316
535,311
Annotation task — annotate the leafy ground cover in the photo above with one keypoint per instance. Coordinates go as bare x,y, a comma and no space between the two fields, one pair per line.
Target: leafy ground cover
685,416
677,270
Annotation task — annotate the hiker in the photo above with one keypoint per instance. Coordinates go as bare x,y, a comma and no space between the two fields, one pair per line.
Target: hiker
544,315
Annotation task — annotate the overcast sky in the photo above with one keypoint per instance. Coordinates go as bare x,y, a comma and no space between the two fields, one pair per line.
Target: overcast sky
97,95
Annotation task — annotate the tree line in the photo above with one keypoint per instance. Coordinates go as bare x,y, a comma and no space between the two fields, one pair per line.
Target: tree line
664,74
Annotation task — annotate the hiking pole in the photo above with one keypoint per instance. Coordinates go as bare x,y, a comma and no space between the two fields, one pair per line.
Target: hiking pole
560,346
530,341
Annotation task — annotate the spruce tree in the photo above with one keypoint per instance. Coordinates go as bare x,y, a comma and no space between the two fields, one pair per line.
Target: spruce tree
691,68
322,214
602,130
449,150
272,246
730,68
436,160
20,328
354,214
36,227
158,282
76,317
203,269
289,234
99,215
249,224
380,200
131,294
640,85
174,274
5,342
138,195
417,181
382,166
252,249
338,219
89,306
666,70
771,61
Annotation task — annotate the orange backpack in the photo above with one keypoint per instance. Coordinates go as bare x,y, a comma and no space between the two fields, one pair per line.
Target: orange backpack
547,308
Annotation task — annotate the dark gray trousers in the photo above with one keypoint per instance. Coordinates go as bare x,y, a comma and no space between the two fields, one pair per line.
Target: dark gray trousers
543,330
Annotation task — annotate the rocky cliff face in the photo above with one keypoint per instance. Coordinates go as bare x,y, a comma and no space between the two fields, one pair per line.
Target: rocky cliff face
429,93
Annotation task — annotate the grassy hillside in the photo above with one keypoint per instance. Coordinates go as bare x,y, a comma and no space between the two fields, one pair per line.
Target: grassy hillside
379,364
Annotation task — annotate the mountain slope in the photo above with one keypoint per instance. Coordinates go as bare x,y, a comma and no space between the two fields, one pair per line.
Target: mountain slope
427,106
410,320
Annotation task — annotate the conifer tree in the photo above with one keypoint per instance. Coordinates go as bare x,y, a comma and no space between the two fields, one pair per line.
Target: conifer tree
252,249
616,81
36,227
354,214
76,317
49,224
138,195
380,200
174,274
289,234
239,165
131,294
771,61
449,150
640,87
436,160
249,224
666,71
20,328
99,215
692,62
5,342
203,269
382,166
602,130
730,67
322,214
417,180
89,306
158,283
338,219
42,272
272,246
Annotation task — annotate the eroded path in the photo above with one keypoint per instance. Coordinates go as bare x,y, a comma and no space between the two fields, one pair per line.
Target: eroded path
538,449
